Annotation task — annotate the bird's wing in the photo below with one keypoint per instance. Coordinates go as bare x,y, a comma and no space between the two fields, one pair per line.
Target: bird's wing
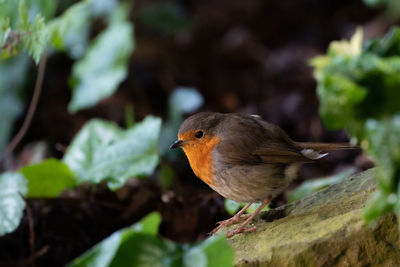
254,141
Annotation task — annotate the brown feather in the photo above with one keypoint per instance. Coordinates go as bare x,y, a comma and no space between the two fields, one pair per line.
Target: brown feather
326,146
266,143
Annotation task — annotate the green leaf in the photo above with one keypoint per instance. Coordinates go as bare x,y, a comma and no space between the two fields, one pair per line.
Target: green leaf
103,68
382,141
148,225
378,205
314,185
44,7
386,46
10,10
350,48
48,178
359,90
34,35
101,150
133,246
253,207
23,14
36,40
12,186
232,207
338,96
214,251
26,27
70,31
139,245
392,7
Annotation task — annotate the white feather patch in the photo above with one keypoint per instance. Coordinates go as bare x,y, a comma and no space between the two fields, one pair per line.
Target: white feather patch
312,154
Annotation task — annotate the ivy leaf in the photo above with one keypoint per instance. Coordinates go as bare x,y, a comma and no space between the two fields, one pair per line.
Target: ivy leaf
12,186
70,31
48,178
133,246
103,151
97,75
139,245
214,251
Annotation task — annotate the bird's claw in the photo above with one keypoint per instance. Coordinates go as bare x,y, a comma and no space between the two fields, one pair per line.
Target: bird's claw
233,220
239,230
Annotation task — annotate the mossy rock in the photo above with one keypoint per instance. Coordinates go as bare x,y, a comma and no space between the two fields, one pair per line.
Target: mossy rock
322,229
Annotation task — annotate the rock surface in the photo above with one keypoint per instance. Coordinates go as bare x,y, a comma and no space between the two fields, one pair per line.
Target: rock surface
323,229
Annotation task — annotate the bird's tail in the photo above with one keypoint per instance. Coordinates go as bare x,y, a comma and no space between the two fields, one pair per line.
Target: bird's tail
312,150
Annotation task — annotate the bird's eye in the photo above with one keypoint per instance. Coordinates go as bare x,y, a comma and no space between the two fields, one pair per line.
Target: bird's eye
199,134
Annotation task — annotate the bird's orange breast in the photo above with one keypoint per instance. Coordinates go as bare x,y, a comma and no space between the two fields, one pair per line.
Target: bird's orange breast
199,153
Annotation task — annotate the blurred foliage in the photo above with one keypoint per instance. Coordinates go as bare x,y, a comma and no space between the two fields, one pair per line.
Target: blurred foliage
11,105
101,150
33,34
70,31
21,28
314,185
392,7
48,178
358,87
29,28
12,205
164,18
232,207
139,245
104,66
182,101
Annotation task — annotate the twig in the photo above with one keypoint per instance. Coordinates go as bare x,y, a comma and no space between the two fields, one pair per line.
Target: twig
31,111
31,234
37,254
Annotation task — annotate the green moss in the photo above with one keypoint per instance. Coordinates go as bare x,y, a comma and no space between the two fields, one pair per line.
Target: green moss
322,229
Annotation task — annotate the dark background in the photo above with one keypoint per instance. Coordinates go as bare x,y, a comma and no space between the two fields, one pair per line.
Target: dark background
242,56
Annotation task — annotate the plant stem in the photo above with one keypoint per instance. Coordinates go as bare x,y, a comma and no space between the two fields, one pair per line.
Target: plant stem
31,111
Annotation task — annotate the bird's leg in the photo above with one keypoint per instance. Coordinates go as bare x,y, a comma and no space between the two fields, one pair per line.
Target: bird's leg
236,218
241,228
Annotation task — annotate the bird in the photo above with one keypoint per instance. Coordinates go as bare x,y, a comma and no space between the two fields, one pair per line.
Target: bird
244,158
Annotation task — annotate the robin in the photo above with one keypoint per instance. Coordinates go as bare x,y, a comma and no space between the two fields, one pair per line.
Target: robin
244,158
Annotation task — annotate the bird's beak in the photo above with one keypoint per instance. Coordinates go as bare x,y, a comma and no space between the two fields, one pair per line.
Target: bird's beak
176,144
